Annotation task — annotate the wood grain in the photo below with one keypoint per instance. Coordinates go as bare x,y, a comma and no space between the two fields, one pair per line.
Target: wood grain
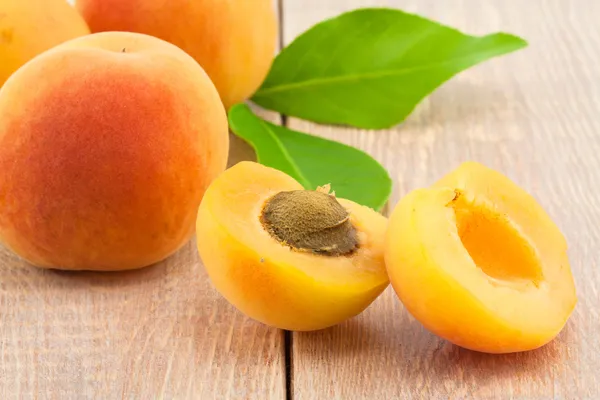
164,333
159,333
533,115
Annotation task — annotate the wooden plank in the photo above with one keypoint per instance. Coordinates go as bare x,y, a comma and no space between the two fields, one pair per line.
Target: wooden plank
532,114
158,333
161,332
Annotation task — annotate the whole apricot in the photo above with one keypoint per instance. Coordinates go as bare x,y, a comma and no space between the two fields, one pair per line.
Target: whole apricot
291,258
233,40
478,262
107,145
30,27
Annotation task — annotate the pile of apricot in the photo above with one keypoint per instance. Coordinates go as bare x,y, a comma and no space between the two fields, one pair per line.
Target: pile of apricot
113,149
108,140
474,257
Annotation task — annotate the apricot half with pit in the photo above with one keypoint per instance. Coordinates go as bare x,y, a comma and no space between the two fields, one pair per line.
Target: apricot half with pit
288,257
478,262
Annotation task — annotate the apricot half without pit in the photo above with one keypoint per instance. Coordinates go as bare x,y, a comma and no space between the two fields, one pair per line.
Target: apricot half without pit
478,262
291,258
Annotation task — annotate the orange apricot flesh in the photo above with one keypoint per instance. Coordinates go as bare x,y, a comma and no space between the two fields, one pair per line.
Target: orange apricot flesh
270,281
478,262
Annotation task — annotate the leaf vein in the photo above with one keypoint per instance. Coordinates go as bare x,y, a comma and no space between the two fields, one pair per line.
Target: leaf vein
284,150
323,81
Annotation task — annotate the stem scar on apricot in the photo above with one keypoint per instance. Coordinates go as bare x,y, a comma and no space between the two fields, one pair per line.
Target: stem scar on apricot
310,221
457,194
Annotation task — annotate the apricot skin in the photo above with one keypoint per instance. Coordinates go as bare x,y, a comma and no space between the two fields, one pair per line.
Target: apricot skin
233,40
440,284
30,27
268,281
107,144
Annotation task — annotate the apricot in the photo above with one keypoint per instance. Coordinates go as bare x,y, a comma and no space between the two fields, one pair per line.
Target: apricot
290,258
478,262
234,40
30,27
107,145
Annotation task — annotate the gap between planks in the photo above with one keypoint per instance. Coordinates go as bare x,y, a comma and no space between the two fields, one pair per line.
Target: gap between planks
288,341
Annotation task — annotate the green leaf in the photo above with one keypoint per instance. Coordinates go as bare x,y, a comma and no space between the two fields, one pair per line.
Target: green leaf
314,161
371,67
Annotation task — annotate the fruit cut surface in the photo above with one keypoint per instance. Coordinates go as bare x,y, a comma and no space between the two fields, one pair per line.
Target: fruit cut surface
268,280
479,262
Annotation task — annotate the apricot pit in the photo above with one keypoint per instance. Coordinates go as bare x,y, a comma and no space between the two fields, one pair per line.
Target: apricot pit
311,221
478,262
288,257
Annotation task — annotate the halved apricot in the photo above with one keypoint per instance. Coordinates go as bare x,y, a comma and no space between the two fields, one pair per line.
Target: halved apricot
478,262
291,258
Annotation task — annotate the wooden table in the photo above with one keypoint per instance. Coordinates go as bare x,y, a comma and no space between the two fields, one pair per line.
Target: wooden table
164,333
